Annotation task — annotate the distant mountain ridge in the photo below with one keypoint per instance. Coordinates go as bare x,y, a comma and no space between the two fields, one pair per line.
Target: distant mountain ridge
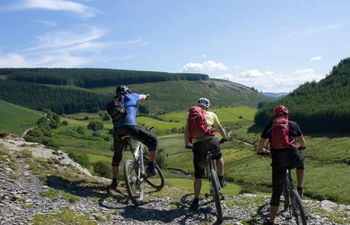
275,95
322,106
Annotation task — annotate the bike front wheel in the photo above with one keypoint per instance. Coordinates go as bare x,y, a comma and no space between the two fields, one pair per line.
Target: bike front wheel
133,182
214,181
156,181
298,209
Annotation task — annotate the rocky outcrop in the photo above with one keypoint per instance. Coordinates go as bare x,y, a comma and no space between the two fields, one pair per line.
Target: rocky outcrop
35,184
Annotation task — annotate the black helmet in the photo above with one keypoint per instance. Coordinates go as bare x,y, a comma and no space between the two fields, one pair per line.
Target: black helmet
122,89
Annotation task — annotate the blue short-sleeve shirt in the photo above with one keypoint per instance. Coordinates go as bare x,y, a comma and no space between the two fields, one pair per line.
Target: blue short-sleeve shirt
130,101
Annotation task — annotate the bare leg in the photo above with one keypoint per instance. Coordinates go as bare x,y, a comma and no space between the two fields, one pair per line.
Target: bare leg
273,212
197,185
300,177
152,156
115,171
220,166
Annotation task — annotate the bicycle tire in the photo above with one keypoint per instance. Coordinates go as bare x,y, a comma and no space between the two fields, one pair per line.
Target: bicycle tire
286,196
298,208
157,181
133,184
214,181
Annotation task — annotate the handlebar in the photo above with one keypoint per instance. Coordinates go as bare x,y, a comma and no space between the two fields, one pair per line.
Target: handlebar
222,140
264,153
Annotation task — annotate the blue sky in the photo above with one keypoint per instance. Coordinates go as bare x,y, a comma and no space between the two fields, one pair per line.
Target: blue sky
270,45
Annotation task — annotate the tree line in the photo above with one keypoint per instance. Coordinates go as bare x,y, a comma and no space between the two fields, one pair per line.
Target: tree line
92,78
318,107
60,99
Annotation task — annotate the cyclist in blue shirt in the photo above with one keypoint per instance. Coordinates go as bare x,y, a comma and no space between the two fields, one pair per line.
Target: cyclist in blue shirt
127,126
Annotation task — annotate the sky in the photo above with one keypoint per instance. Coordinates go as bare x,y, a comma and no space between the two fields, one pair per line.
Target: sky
271,45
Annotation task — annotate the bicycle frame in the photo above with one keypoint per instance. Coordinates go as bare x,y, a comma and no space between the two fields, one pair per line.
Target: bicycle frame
210,166
292,202
287,189
214,185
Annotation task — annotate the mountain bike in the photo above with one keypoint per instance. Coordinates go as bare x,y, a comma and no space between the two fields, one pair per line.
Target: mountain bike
292,201
214,184
135,175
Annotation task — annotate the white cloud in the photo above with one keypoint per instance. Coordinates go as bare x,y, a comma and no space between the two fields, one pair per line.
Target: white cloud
269,81
56,5
66,49
67,39
207,66
47,23
316,58
13,60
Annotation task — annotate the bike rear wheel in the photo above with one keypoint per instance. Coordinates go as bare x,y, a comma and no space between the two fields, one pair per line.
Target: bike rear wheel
133,182
156,181
214,181
298,208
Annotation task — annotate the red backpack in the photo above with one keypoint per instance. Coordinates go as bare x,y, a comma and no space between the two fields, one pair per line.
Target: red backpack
280,133
196,123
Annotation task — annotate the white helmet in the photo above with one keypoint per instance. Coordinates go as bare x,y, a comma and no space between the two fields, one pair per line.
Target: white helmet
203,102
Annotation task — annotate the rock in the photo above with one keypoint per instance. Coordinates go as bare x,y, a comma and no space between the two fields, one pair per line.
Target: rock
328,205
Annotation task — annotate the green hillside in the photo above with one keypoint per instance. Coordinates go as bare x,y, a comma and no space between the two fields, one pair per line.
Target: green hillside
318,107
15,118
180,95
60,99
68,99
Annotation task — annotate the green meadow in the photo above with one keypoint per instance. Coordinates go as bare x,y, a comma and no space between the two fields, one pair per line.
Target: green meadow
15,119
327,157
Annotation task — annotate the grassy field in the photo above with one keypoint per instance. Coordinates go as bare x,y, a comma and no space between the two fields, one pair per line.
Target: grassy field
225,114
327,157
15,119
325,177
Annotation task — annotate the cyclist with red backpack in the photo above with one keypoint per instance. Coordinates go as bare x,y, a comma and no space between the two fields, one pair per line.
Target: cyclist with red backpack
123,112
285,154
199,136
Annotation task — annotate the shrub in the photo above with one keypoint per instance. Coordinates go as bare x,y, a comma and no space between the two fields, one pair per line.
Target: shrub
80,130
95,125
103,169
82,159
65,122
105,117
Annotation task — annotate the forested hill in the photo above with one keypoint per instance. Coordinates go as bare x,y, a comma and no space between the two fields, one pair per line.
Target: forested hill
91,78
75,90
318,107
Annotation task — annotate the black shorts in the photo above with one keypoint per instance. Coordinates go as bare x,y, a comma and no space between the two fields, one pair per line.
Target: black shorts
283,159
144,136
200,150
287,158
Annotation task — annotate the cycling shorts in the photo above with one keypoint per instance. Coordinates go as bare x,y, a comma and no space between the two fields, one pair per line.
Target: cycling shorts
200,150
